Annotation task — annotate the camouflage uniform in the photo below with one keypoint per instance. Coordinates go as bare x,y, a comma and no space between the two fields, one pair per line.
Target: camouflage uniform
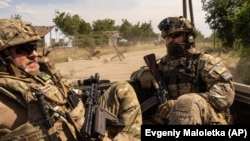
16,94
199,86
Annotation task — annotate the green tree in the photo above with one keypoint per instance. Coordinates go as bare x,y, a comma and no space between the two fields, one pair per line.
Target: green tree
125,29
16,16
136,32
67,23
74,25
147,30
84,28
242,24
100,26
219,16
71,25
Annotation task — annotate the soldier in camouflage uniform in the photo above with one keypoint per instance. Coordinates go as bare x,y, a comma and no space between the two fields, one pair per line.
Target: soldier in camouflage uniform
199,85
22,71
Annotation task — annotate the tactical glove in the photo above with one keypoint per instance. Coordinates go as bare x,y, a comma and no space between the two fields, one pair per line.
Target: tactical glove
145,77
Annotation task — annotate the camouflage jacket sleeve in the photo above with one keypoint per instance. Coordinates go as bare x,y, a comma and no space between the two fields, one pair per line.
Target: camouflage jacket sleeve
71,83
220,91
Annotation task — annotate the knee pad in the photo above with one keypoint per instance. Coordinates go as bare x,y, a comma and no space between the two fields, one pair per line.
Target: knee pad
189,109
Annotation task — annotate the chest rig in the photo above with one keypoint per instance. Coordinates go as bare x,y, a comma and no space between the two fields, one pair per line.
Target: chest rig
48,106
57,102
182,75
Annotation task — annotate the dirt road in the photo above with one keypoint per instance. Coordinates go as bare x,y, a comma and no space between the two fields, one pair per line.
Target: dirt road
113,70
116,70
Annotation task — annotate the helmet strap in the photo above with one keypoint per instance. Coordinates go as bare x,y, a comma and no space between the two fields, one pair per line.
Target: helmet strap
188,40
10,64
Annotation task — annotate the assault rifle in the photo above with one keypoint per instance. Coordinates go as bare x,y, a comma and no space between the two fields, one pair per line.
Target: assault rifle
161,95
94,127
144,96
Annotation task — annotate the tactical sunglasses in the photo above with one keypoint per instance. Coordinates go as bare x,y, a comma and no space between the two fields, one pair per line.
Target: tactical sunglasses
174,35
26,48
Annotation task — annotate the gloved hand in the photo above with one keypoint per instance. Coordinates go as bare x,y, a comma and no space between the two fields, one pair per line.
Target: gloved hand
147,79
164,109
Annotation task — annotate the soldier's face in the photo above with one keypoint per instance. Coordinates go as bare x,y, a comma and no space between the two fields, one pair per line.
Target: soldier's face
176,37
175,44
25,57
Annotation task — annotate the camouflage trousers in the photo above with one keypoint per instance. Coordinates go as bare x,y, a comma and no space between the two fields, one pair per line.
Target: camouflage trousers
192,109
121,100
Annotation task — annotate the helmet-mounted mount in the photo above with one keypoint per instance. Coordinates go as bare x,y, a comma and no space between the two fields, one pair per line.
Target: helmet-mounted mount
176,24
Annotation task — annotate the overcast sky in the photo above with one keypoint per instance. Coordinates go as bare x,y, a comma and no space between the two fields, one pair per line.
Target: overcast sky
42,12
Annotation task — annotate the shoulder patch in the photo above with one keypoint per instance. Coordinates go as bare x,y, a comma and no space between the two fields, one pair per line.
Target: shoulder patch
223,72
44,76
219,69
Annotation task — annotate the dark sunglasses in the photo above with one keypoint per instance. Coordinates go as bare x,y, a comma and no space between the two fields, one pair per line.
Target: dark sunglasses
27,48
174,35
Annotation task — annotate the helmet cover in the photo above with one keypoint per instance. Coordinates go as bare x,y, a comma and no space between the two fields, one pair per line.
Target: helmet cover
175,24
14,32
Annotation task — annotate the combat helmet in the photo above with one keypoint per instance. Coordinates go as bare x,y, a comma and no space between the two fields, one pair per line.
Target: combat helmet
176,24
14,32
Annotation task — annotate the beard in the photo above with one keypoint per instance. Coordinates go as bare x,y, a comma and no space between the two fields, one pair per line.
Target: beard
34,70
176,50
31,67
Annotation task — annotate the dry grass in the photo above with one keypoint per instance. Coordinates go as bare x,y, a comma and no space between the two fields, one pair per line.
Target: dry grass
230,59
61,54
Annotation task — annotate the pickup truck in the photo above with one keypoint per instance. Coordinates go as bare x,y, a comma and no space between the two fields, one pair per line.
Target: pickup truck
240,109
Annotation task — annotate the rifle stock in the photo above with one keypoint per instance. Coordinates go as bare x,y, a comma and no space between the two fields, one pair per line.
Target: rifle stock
101,116
146,100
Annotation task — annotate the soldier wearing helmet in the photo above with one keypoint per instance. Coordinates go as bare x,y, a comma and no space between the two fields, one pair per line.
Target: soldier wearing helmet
27,116
200,89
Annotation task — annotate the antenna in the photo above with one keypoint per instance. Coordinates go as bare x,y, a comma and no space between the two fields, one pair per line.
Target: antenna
184,3
191,12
